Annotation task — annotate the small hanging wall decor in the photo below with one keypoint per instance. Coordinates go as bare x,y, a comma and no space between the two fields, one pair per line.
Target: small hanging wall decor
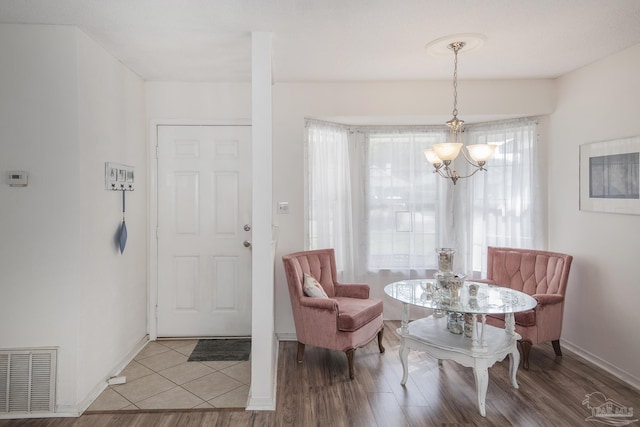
120,178
123,228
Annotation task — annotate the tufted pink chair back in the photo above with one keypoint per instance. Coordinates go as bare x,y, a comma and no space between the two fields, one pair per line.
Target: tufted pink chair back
529,271
320,264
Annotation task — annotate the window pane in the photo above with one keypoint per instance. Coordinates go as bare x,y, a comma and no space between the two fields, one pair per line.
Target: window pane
401,201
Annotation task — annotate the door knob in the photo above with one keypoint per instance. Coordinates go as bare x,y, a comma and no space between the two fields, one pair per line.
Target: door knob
247,244
247,227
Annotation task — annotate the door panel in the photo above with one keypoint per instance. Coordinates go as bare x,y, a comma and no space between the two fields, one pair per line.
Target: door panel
204,201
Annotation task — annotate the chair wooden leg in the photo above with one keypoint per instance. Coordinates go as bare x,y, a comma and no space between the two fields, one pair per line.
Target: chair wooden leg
380,334
300,352
556,347
350,361
525,346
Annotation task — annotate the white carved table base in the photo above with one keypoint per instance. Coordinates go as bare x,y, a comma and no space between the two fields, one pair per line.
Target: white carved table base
485,347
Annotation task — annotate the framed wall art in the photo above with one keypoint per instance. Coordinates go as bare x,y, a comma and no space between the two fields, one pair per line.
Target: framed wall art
610,176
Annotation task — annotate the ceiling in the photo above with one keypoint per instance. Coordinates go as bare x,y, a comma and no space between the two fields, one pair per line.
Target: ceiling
343,40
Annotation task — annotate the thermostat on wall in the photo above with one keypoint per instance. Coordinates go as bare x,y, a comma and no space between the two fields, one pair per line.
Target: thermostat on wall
18,178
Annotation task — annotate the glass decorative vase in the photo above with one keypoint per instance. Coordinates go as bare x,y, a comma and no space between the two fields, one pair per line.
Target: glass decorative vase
455,323
445,259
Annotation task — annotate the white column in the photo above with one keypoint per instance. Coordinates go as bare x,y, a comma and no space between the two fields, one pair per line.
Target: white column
264,344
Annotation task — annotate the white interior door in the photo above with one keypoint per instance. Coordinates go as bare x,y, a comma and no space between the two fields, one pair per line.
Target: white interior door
204,213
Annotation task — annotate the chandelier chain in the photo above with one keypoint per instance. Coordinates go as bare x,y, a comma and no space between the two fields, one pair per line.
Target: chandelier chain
455,48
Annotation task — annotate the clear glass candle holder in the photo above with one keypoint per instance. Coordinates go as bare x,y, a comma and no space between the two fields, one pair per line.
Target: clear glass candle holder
445,259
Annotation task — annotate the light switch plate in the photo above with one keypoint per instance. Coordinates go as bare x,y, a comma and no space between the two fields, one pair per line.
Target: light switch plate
283,207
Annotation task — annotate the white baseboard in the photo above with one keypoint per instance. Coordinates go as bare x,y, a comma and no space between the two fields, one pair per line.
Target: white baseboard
267,403
287,336
261,404
63,412
603,364
102,385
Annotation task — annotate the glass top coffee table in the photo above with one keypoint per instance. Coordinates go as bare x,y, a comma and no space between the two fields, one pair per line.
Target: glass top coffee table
473,344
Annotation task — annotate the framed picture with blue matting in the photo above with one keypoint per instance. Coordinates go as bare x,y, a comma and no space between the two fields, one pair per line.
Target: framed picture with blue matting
610,176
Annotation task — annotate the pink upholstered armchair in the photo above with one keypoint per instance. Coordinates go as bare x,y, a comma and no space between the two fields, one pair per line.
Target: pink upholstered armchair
540,274
344,321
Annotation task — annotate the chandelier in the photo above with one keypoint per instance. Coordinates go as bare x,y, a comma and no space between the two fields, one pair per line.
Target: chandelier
442,155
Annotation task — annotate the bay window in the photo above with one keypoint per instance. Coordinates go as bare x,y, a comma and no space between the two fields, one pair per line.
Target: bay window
372,196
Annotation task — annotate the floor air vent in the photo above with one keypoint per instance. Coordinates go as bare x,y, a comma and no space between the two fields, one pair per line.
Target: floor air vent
27,380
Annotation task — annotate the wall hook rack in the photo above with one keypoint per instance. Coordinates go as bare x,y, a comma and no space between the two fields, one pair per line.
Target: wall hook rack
122,187
119,177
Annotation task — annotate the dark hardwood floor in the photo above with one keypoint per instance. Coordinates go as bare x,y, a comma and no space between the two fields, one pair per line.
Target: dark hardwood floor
318,392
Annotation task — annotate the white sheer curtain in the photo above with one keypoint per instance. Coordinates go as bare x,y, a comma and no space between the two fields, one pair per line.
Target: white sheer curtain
503,203
401,200
329,189
372,197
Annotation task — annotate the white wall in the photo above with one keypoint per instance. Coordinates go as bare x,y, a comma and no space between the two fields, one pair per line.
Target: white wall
40,242
368,102
597,103
61,282
112,314
198,101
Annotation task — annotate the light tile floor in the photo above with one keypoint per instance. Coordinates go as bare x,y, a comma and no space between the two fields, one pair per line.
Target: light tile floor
160,377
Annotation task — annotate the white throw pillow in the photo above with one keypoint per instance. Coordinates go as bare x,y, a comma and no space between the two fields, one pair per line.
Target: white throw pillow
312,288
